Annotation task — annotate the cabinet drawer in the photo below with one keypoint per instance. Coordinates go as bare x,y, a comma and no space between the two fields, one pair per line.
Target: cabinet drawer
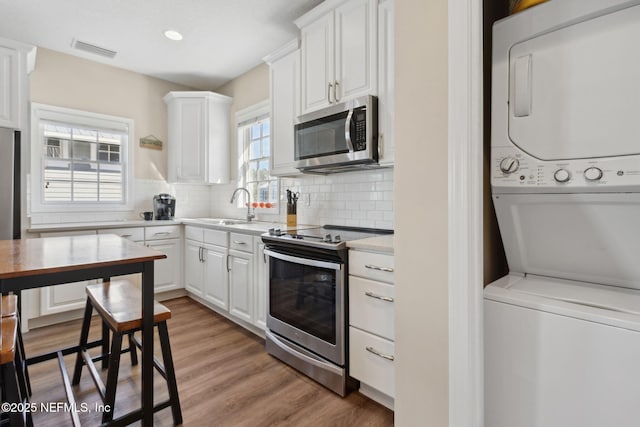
162,232
372,265
135,234
371,306
375,370
194,233
216,237
241,242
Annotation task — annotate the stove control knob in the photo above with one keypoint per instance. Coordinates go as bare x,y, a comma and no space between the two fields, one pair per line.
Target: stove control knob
337,238
593,173
509,165
562,175
272,232
327,238
277,232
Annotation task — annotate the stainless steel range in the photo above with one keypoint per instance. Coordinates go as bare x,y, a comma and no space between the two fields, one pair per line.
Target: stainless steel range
307,300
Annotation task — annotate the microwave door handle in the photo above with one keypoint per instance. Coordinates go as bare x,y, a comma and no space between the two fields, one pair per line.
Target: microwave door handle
347,131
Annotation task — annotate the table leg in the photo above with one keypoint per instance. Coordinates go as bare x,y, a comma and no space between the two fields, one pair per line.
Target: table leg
105,336
147,344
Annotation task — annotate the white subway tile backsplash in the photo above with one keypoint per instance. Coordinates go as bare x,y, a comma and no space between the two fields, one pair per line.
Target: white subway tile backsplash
361,199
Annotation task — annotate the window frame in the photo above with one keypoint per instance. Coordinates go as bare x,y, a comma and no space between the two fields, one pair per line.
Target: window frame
244,118
79,118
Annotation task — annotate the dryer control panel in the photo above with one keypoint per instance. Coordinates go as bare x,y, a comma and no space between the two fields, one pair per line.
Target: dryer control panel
513,171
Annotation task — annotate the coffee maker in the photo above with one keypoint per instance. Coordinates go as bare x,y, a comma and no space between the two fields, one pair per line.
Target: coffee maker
164,206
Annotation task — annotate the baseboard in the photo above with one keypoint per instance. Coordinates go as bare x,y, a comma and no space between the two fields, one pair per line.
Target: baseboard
377,396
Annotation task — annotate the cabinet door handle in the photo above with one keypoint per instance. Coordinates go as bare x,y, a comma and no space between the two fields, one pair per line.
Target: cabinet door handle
200,256
329,93
380,297
237,242
228,269
377,353
375,267
335,90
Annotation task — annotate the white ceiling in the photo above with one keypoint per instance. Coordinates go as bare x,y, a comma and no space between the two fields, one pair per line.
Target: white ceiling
222,38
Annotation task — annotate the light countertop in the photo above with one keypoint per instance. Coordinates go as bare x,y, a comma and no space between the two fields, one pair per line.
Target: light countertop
253,227
383,244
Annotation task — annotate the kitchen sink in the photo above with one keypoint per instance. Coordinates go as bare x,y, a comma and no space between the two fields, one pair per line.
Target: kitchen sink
223,221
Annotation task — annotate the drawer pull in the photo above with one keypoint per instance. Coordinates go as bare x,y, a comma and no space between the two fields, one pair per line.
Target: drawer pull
380,297
162,233
375,267
377,353
126,235
237,242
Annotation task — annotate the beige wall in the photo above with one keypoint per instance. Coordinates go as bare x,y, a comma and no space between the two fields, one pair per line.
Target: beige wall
67,81
246,90
421,213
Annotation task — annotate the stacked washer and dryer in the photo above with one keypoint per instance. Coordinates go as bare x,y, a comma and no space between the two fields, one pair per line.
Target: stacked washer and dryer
562,329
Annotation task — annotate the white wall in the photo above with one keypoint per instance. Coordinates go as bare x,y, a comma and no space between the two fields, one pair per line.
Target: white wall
421,192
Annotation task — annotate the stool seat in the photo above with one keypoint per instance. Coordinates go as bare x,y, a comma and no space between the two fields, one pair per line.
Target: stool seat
119,304
9,334
9,305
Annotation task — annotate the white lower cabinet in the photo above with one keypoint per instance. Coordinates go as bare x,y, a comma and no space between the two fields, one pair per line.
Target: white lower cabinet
240,285
371,323
216,289
260,285
221,268
67,297
167,272
193,270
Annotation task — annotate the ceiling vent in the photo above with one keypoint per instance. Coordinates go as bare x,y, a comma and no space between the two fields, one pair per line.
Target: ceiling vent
96,50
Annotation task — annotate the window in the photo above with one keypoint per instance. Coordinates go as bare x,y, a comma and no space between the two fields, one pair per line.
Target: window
80,160
254,144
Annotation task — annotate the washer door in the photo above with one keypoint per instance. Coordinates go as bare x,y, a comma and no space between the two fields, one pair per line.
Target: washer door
587,237
574,93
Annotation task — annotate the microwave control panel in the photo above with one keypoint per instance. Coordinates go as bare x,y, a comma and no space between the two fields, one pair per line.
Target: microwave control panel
359,136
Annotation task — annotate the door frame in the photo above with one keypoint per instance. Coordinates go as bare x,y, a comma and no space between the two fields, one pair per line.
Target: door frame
465,141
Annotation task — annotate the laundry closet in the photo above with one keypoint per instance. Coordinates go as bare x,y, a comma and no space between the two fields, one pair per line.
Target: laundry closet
562,329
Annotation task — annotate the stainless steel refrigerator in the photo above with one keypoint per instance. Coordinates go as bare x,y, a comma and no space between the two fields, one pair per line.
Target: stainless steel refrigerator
9,184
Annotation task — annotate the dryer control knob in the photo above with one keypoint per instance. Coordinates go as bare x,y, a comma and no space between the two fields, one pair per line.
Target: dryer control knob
509,165
593,173
562,175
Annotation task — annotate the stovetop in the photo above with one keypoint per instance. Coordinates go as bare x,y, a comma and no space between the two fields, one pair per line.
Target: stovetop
326,237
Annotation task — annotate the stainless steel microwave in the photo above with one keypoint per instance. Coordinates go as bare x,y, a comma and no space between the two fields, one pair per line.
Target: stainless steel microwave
338,138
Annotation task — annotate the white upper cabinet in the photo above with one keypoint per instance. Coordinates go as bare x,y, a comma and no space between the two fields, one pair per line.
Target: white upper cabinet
338,52
16,62
386,145
284,77
198,137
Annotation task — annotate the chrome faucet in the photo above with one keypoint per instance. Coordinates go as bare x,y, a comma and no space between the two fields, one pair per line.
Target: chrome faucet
250,216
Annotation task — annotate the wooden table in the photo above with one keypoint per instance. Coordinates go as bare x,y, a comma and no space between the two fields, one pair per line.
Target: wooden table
36,263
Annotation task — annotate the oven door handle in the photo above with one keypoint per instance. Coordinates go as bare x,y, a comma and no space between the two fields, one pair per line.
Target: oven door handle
304,261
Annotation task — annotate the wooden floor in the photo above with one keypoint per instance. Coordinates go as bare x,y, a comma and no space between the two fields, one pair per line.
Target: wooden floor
225,378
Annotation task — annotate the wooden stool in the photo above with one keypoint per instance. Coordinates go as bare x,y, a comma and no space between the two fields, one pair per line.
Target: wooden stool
119,305
11,369
10,309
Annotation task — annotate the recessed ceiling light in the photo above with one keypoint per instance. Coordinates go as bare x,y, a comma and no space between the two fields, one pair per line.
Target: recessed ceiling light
173,35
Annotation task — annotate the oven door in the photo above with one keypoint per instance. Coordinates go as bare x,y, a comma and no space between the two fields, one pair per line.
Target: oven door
306,303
